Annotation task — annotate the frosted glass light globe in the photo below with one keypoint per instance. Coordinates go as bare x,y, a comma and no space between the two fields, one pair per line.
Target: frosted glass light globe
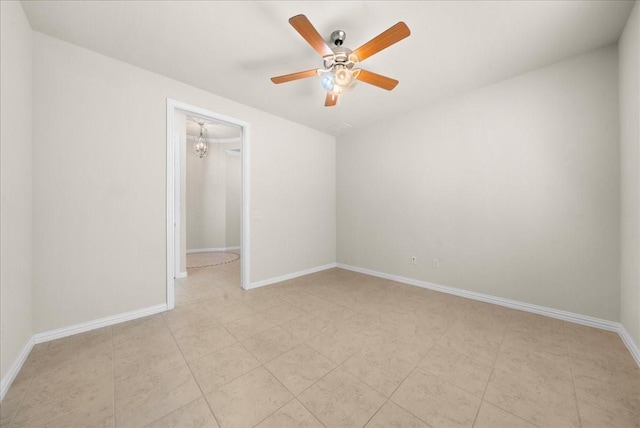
327,82
343,76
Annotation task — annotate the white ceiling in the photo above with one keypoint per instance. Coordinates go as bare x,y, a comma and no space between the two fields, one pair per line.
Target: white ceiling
233,48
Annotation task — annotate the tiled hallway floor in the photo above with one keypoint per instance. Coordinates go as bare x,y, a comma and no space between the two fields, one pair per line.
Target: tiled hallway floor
333,349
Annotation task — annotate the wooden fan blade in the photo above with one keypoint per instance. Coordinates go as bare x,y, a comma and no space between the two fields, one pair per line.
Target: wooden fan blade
330,100
294,76
378,80
383,41
310,34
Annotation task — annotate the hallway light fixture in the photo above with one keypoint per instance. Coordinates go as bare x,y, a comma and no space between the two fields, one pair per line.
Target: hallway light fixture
201,146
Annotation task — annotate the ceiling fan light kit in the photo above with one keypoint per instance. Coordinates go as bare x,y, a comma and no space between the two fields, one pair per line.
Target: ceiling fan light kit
339,72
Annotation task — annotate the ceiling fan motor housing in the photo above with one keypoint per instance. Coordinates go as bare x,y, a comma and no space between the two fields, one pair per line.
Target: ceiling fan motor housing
337,37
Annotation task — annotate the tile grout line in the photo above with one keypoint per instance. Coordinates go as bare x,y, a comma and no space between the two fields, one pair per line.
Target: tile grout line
113,368
573,379
506,410
37,369
435,343
235,378
263,365
238,342
360,380
69,412
202,395
493,367
406,410
272,413
395,389
309,410
295,397
357,312
312,384
504,345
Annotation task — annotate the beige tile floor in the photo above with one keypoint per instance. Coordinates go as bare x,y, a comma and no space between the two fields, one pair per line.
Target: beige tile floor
333,349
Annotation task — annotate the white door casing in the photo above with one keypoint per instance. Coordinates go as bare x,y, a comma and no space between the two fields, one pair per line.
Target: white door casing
173,194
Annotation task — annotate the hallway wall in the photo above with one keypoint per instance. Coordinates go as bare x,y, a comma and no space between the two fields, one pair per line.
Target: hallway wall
213,197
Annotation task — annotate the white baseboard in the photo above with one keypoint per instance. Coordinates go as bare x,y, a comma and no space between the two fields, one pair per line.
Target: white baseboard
514,304
206,250
99,323
290,276
13,371
46,336
631,345
181,275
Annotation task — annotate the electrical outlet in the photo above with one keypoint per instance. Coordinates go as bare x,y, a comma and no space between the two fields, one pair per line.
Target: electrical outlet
435,263
414,260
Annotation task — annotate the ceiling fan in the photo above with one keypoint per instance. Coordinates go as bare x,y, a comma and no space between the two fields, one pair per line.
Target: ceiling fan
339,71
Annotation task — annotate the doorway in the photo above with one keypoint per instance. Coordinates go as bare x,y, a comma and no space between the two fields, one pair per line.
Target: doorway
232,133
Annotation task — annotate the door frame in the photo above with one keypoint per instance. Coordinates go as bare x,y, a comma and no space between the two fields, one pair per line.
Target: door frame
173,177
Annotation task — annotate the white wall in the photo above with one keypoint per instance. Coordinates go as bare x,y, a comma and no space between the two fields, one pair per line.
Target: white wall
214,198
629,51
294,213
15,183
180,128
183,193
206,208
99,186
233,196
513,187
